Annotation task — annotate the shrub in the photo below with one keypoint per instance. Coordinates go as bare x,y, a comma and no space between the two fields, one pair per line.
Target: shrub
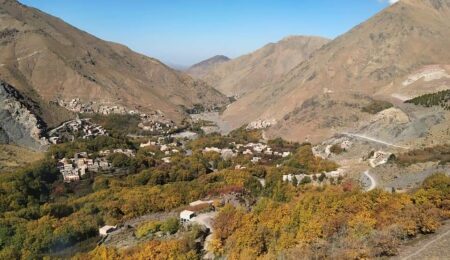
376,106
336,149
148,228
170,226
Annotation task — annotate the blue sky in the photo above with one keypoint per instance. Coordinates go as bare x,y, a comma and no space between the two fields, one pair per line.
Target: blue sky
184,32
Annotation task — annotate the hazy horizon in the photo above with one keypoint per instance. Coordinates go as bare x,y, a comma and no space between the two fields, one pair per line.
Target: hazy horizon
182,33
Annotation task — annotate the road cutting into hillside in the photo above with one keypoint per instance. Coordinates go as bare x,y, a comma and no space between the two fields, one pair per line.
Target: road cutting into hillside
375,140
373,182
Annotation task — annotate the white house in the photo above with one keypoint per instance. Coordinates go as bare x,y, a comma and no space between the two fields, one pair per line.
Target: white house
104,231
186,216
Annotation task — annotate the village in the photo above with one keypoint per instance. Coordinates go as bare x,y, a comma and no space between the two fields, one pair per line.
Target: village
78,128
74,169
164,147
155,122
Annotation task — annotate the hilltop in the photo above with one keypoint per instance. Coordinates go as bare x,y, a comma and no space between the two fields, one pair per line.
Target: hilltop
202,68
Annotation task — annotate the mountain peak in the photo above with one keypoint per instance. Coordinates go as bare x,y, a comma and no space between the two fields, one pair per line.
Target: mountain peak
212,61
200,69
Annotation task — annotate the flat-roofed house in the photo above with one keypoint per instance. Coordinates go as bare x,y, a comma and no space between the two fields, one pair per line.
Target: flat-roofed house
104,231
186,216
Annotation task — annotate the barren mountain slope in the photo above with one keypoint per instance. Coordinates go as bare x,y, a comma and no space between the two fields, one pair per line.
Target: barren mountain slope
202,68
249,72
47,59
375,59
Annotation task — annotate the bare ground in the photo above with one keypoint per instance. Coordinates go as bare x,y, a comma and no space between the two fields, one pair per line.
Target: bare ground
435,246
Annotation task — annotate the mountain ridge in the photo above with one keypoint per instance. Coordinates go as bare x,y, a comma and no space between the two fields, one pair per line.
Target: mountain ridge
370,60
265,65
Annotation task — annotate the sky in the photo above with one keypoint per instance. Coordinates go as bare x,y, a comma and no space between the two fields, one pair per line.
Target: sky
184,32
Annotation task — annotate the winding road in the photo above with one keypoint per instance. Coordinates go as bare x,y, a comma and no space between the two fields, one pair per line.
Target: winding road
375,140
373,182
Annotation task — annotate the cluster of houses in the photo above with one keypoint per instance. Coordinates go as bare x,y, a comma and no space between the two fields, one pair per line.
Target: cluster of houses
127,152
75,168
253,149
167,149
261,124
77,106
154,122
83,128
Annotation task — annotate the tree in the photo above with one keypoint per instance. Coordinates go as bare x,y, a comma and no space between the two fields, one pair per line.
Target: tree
120,160
305,180
322,177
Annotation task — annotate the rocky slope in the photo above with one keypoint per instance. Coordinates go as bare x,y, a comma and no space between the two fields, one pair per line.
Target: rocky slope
250,72
202,68
18,123
48,60
383,58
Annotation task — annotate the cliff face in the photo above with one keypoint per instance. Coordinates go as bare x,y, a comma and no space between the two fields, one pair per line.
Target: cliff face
18,124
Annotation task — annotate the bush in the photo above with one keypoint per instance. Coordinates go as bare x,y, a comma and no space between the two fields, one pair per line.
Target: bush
170,226
336,149
376,106
120,160
148,228
305,180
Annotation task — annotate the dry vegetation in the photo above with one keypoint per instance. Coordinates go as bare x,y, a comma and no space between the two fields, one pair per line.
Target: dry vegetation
376,106
440,153
13,157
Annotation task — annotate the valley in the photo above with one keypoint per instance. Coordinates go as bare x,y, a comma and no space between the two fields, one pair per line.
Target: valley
307,148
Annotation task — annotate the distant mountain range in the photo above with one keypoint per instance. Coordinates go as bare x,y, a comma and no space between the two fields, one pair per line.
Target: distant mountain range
247,73
400,53
202,68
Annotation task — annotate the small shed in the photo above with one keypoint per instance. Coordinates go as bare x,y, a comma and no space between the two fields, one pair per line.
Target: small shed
104,231
186,216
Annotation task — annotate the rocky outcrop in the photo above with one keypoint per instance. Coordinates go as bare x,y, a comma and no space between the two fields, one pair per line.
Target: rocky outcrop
18,124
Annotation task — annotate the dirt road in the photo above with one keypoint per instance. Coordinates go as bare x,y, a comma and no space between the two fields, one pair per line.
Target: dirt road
435,246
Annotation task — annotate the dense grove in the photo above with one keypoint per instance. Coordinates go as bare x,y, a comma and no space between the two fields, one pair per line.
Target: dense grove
332,222
434,99
118,123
